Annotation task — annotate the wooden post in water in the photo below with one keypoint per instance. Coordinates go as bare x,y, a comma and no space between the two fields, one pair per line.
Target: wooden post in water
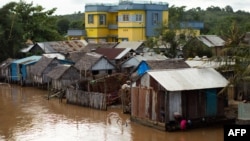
48,91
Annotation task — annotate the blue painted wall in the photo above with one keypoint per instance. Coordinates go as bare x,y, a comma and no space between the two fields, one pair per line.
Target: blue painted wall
18,67
211,102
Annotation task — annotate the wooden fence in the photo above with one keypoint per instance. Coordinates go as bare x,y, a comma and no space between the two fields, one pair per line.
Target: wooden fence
88,99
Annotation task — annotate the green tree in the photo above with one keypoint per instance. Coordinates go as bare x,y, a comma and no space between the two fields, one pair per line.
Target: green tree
63,26
22,21
10,32
38,24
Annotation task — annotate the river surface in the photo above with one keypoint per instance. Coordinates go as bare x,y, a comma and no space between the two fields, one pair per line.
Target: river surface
26,115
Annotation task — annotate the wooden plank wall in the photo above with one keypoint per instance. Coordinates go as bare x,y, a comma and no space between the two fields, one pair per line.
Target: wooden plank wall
88,99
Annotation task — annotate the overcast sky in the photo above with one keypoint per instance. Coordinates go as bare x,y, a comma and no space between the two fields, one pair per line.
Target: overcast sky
72,6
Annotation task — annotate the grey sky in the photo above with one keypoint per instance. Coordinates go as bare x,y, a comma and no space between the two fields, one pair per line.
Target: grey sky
72,6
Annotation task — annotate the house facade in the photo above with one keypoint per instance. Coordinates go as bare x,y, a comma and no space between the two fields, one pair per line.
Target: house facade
93,64
21,69
42,68
62,76
127,21
191,92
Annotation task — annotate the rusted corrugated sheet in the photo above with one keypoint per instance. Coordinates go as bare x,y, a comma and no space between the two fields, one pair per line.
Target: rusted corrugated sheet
142,106
154,106
148,104
135,100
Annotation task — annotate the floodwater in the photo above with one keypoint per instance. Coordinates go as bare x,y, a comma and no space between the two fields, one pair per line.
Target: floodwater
26,115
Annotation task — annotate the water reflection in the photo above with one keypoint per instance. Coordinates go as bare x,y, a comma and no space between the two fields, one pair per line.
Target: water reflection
26,114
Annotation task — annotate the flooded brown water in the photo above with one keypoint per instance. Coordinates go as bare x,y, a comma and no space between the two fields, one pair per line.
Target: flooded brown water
26,115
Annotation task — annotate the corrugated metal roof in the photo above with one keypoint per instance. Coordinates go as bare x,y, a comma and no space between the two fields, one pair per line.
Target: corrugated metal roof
110,53
167,64
129,44
76,32
27,49
123,53
150,56
189,79
211,40
207,63
59,46
27,60
55,55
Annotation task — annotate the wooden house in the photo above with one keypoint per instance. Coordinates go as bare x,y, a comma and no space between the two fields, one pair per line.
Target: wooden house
93,63
115,55
191,92
132,62
209,42
21,69
42,68
136,46
144,66
62,76
5,71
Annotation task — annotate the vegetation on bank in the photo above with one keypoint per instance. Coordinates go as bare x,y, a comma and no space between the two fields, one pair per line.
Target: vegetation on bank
23,21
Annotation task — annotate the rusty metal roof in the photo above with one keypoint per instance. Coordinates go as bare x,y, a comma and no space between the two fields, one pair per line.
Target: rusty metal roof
110,53
59,46
189,79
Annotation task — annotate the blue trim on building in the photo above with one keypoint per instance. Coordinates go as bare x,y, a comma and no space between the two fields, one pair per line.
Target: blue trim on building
18,67
150,27
192,24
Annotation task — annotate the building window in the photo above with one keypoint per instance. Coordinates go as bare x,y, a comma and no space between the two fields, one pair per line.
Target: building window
90,19
125,17
155,18
138,18
102,19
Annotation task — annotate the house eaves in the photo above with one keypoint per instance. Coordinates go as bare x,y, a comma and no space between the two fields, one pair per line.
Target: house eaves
189,79
211,40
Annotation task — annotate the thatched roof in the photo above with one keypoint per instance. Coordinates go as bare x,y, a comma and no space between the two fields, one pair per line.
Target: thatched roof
75,56
58,71
59,46
41,65
6,63
87,61
167,64
91,46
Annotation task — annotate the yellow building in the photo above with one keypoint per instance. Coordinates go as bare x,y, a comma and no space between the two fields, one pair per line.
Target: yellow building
127,21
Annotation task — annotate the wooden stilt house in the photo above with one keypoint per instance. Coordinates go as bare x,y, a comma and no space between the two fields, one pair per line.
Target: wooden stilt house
62,76
191,92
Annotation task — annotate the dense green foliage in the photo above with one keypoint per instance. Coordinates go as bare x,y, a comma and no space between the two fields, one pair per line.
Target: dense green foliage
21,22
72,21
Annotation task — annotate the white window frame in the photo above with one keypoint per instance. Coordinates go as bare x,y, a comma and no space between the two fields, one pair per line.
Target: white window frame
155,18
125,17
138,17
102,19
90,18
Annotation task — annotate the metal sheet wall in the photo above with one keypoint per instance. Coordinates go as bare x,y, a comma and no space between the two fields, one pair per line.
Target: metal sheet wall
174,104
